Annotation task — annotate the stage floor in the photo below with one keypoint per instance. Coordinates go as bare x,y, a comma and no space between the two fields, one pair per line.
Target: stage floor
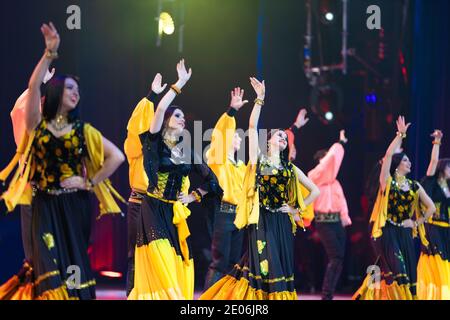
114,294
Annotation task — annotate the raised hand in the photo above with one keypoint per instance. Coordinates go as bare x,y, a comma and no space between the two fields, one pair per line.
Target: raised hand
402,126
183,74
49,75
236,99
437,135
342,136
51,36
259,87
157,86
301,120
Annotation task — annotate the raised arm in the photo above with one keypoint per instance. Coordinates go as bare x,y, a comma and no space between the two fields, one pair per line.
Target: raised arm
32,105
260,90
183,78
223,133
437,135
402,128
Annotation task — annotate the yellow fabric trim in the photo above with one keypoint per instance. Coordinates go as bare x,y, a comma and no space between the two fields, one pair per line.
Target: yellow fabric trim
221,140
379,212
275,280
139,123
439,224
229,175
19,191
393,291
46,276
180,215
229,288
104,191
161,274
433,278
56,294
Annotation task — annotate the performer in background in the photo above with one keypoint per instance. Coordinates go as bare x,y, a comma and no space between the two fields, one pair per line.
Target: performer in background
139,123
434,266
164,268
226,246
270,205
65,158
331,212
396,220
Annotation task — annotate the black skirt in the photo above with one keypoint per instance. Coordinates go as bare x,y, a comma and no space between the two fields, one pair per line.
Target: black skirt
61,228
398,267
266,270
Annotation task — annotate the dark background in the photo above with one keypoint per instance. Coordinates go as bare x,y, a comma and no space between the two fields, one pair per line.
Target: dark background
225,42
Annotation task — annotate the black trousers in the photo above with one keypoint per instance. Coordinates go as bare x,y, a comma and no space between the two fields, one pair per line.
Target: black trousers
134,210
333,238
226,246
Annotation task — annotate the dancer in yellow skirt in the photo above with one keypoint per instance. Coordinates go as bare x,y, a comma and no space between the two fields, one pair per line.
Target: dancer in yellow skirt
63,158
270,204
396,220
164,268
433,272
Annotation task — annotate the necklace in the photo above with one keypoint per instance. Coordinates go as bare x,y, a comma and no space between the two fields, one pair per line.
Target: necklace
401,181
60,122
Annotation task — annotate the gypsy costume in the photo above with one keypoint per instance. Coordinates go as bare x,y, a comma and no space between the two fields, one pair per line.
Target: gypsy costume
227,240
266,270
394,245
61,217
164,268
434,264
139,123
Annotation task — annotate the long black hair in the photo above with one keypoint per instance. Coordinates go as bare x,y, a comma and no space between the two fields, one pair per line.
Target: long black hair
54,91
396,160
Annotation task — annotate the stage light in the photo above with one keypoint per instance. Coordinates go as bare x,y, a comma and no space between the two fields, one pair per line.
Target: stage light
327,101
329,16
329,116
371,98
166,24
111,274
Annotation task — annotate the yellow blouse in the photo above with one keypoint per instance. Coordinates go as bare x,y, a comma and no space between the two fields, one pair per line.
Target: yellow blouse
139,123
230,174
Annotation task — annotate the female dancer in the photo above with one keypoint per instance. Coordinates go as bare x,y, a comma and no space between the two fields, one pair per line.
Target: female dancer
269,206
139,123
433,271
164,268
393,229
65,158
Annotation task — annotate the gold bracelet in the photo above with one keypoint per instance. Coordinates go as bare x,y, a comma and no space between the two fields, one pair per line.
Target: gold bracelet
401,134
259,102
52,55
437,143
197,195
175,89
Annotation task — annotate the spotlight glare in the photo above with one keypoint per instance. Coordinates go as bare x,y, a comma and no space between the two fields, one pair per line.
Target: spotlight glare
329,116
329,16
166,24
